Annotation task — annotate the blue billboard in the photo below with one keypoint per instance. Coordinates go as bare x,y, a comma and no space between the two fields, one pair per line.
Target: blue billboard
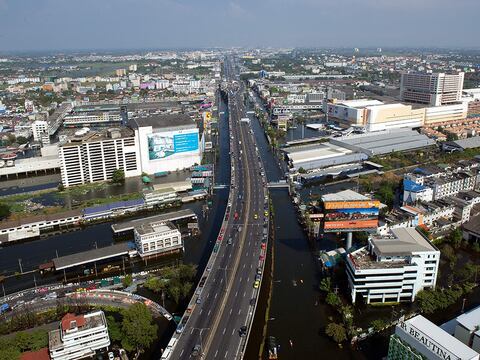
162,145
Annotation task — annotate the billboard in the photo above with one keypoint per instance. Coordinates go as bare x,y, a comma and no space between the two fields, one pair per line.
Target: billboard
351,216
163,145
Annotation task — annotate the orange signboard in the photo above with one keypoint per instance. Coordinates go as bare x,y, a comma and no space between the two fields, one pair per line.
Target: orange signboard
355,224
359,204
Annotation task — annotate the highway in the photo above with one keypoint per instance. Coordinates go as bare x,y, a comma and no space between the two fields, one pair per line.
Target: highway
218,319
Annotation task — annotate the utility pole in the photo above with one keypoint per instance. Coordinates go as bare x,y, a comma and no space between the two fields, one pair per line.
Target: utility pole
20,264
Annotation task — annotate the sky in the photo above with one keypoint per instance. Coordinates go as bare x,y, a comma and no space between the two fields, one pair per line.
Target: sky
42,25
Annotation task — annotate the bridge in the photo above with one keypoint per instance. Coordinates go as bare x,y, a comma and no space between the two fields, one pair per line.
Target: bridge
278,185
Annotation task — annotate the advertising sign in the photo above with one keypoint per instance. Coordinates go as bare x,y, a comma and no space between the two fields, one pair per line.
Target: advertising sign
351,219
351,204
163,145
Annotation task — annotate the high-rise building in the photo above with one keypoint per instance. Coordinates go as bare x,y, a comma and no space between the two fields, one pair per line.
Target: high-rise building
434,89
94,156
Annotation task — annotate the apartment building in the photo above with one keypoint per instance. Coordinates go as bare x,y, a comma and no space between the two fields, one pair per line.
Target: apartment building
430,183
394,267
79,336
94,156
434,89
92,118
155,238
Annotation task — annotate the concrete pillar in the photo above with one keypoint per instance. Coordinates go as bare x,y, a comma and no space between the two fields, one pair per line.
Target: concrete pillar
354,295
349,241
398,297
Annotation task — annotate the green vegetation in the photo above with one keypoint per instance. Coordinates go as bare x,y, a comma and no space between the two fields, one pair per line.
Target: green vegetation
138,329
118,177
337,332
4,211
430,301
176,282
11,348
332,299
127,280
378,324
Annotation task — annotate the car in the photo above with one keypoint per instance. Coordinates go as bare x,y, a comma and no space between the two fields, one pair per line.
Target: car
256,284
236,216
261,257
258,277
180,328
253,301
265,213
259,270
229,242
111,356
243,331
196,350
255,216
199,300
263,246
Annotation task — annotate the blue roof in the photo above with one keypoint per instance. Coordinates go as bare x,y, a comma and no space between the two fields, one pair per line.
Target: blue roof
113,206
410,185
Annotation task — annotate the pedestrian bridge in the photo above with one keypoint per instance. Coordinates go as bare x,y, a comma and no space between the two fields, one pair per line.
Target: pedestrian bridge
278,185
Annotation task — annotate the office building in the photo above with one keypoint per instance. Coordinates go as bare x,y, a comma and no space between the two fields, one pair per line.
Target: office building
156,238
94,156
393,267
419,338
433,89
79,336
167,142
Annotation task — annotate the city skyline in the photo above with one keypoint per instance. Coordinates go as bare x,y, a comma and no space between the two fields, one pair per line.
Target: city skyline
28,25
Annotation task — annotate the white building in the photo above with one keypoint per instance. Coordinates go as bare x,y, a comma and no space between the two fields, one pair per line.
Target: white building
79,336
92,118
40,130
167,142
394,267
433,89
156,238
94,156
160,196
419,338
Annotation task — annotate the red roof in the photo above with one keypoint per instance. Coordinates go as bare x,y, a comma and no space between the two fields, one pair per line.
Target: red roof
41,354
69,318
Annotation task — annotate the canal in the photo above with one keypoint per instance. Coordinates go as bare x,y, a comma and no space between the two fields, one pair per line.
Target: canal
297,317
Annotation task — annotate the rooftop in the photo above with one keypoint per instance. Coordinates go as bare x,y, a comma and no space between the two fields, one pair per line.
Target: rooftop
404,242
159,121
154,227
436,335
345,195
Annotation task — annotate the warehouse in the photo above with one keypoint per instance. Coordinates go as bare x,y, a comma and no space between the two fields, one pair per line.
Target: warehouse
384,142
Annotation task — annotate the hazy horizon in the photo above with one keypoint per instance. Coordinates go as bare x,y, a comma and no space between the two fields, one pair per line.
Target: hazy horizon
122,25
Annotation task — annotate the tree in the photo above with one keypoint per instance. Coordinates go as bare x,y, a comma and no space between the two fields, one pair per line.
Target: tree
332,299
22,140
452,137
301,170
378,324
114,329
139,330
326,284
127,280
456,238
9,353
118,176
336,332
4,211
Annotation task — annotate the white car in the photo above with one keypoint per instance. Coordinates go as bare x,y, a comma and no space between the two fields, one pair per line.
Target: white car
111,356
